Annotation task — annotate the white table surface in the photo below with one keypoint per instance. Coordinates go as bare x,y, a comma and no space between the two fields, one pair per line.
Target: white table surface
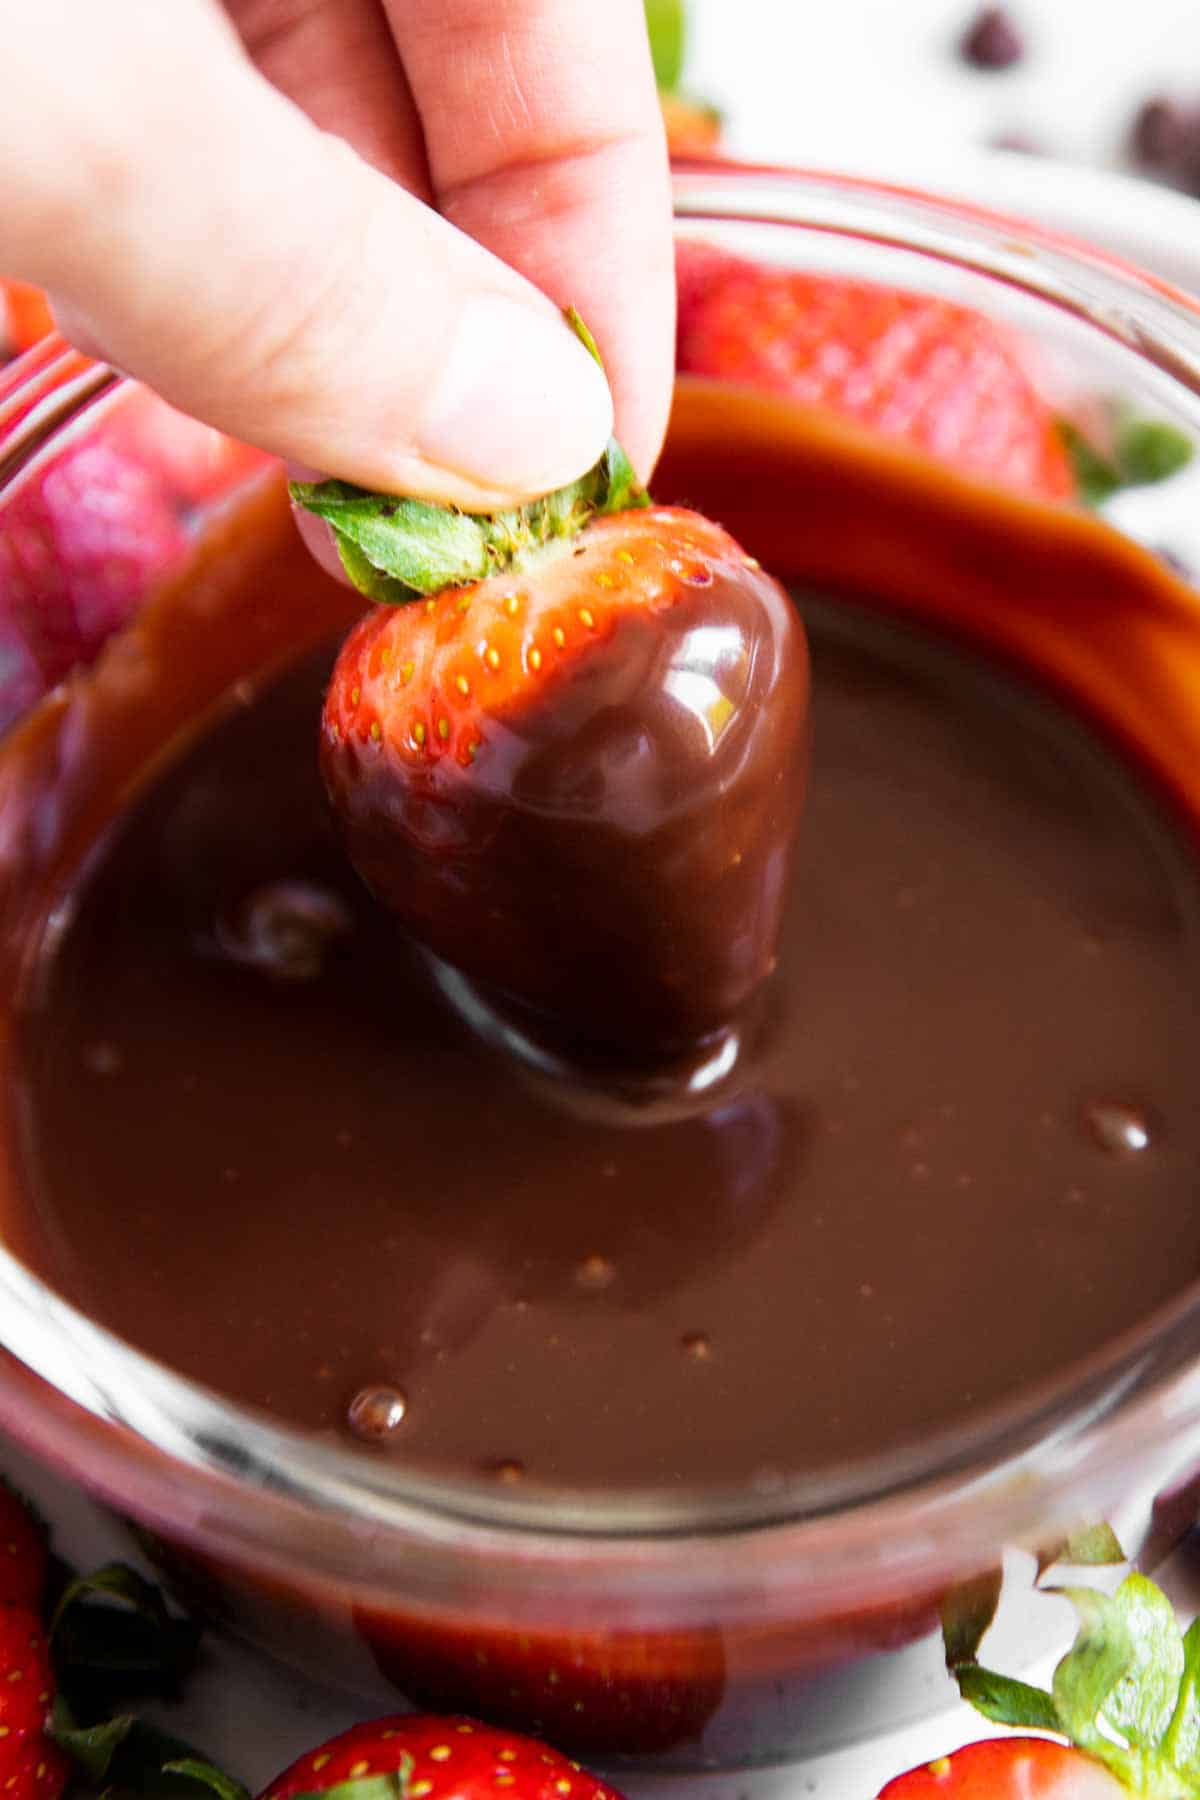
873,86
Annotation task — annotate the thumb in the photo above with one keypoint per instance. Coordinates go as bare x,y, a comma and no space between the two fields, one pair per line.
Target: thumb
260,275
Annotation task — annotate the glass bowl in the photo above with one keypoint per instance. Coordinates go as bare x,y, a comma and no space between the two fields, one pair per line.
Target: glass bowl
722,1628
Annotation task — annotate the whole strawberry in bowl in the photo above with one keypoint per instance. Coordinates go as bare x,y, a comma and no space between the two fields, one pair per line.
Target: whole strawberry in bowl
93,523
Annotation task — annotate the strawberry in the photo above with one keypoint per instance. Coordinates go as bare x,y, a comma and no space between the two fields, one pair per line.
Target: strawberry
436,1758
1124,1696
943,379
600,1692
576,779
82,539
693,127
197,463
25,315
24,1554
1021,1768
31,1766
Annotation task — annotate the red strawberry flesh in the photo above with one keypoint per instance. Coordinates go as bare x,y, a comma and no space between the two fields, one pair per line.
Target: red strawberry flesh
23,1552
579,785
31,1767
1014,1768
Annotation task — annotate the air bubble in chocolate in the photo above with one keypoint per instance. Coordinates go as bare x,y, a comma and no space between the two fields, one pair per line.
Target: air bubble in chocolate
285,929
376,1413
1118,1127
595,1273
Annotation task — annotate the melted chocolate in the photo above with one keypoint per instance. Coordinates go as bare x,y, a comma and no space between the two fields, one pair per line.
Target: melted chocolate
896,1211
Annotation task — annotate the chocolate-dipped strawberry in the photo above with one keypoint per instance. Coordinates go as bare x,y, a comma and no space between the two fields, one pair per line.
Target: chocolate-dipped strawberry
571,759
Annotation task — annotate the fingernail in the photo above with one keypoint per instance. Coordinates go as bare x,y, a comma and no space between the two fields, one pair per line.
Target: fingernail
520,405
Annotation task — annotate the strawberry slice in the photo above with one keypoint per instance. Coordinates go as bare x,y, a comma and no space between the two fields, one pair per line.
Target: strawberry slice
577,779
943,379
437,1759
1021,1768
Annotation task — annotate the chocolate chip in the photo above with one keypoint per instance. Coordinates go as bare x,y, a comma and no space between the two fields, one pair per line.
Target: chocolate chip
992,40
1161,133
1020,142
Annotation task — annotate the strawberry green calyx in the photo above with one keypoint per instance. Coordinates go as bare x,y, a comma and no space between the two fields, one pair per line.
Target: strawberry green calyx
1138,452
395,1785
666,28
397,550
1126,1693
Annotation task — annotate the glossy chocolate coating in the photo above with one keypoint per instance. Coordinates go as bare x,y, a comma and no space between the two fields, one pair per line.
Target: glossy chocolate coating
611,869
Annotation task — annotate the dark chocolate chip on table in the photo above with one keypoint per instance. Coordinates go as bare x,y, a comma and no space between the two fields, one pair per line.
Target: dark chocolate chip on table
1165,140
1018,142
992,40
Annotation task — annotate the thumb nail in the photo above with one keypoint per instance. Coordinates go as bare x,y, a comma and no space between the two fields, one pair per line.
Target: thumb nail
519,405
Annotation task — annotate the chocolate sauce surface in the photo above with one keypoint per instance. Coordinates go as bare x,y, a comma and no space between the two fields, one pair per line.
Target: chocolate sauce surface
959,1150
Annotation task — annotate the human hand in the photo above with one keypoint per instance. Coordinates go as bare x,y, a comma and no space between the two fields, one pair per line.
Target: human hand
303,221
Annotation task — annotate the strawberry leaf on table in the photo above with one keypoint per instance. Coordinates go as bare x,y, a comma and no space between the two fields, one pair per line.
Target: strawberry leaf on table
196,1769
126,1755
1125,1693
113,1635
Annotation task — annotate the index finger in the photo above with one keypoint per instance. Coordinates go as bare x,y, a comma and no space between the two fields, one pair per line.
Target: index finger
545,143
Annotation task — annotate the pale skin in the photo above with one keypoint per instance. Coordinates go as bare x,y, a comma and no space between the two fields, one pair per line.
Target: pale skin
344,229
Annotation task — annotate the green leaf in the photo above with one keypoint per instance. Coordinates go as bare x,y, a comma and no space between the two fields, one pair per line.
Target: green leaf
113,1637
369,1787
194,1768
115,1581
1093,1547
1102,1655
1181,1742
1007,1701
395,549
91,1746
666,27
369,581
1097,477
1127,1691
1142,452
125,1756
1141,1706
421,546
1150,450
967,1612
